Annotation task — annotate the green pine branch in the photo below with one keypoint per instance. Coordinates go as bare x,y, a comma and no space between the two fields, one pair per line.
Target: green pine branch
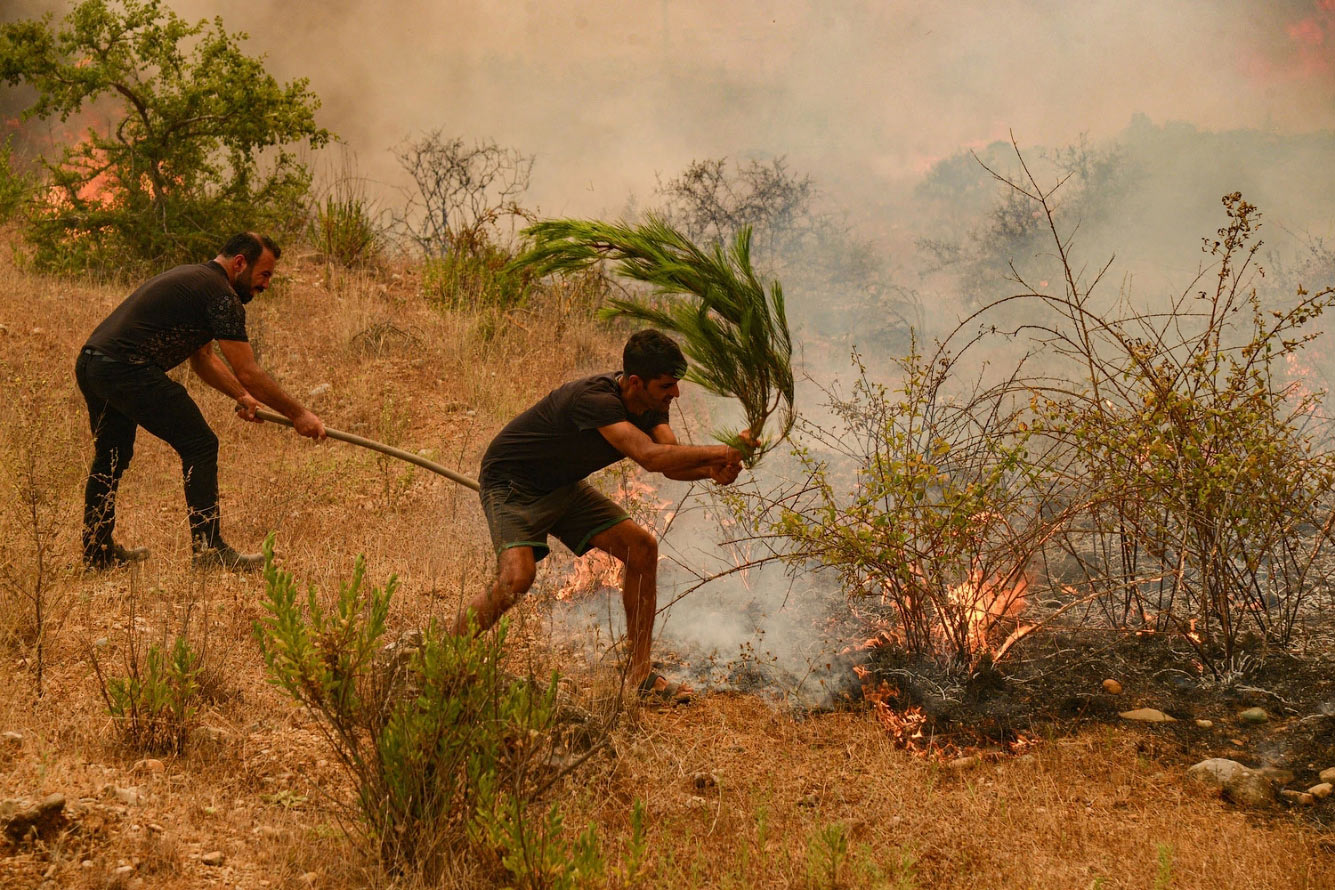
734,333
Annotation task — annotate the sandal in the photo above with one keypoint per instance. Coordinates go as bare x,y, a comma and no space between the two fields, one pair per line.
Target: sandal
668,693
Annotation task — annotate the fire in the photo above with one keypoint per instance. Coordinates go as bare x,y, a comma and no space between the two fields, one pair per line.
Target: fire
907,726
984,605
597,570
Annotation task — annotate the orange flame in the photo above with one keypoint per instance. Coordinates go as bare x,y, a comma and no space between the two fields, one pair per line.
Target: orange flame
597,570
986,605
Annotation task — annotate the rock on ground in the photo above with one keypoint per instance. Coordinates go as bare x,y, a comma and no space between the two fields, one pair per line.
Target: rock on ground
21,818
1146,715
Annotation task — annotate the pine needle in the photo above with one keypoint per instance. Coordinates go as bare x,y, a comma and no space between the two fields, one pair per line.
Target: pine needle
734,334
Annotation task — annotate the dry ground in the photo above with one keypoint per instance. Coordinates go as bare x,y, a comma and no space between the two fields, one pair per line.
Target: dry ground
737,793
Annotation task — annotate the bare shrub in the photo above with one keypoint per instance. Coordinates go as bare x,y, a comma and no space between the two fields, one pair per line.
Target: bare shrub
462,192
794,238
37,455
710,202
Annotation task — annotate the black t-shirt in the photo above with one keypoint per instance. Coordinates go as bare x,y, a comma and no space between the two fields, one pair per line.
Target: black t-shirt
171,316
556,442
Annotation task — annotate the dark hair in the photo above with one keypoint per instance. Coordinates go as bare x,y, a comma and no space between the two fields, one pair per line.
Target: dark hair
251,246
649,354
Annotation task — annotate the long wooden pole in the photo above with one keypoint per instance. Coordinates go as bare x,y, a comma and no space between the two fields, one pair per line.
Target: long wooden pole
353,439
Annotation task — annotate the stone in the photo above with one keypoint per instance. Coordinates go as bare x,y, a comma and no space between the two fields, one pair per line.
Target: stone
1322,791
1254,715
696,803
21,818
129,796
212,735
1328,775
213,857
1250,789
1216,771
704,780
966,762
1204,724
1146,715
1112,687
123,871
1278,775
1301,798
320,390
11,740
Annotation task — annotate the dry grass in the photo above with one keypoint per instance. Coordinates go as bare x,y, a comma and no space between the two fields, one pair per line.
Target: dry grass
737,794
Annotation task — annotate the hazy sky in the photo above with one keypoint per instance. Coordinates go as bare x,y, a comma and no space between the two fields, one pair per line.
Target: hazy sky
862,94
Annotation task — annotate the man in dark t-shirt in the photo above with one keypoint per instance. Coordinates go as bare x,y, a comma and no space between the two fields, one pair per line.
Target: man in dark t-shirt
122,373
532,485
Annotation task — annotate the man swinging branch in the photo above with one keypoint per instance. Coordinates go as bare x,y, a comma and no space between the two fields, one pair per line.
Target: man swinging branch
532,485
122,373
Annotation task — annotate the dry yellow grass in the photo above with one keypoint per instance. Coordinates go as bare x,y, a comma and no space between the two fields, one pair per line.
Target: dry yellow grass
736,792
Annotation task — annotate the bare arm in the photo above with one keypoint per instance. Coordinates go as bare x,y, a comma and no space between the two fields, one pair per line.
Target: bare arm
212,371
662,454
259,385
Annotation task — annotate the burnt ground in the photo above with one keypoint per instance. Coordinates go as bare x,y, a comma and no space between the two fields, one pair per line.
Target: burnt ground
1054,685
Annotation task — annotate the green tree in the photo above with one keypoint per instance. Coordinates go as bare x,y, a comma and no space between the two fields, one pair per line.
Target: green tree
195,146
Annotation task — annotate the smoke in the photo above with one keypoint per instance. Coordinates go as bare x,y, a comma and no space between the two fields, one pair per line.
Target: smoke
867,96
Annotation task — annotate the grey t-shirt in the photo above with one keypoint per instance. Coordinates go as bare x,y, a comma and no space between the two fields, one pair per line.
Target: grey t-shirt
172,315
556,442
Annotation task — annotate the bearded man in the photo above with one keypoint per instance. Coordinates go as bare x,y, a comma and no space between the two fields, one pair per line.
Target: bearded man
122,373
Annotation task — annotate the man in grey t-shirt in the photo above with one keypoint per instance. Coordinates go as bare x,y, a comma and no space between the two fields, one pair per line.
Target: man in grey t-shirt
122,373
532,485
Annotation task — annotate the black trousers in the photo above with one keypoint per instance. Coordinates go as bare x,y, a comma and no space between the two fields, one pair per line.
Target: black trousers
121,398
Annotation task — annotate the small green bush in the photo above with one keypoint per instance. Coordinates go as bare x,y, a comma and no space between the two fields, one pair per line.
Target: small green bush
343,229
476,278
446,751
155,706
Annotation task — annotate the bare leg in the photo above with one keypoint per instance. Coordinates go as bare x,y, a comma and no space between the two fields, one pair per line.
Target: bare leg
638,550
514,578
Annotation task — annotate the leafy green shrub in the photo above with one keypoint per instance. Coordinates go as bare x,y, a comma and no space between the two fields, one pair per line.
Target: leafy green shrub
479,278
447,752
922,505
179,168
155,706
344,224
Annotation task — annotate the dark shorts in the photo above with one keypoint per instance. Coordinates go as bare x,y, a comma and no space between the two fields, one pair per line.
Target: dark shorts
520,517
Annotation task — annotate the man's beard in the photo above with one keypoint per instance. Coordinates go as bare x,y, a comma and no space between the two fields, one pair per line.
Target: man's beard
243,289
